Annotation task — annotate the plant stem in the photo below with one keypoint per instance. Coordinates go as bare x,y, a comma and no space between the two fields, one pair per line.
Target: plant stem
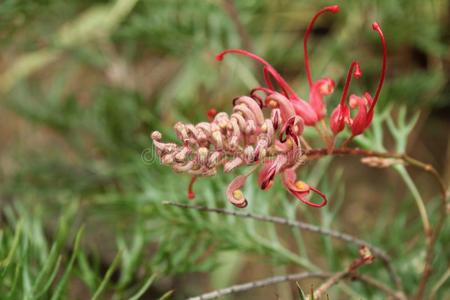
294,277
301,225
257,284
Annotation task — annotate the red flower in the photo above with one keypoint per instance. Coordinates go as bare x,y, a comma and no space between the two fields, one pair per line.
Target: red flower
300,189
341,114
364,104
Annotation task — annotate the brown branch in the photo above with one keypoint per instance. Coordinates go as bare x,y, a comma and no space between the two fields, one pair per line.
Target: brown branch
304,226
365,258
294,277
431,234
257,284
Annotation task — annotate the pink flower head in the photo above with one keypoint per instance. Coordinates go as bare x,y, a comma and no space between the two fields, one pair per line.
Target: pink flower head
300,189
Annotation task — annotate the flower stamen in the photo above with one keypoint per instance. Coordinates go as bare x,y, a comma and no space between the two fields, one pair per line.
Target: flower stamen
376,27
268,67
333,9
191,194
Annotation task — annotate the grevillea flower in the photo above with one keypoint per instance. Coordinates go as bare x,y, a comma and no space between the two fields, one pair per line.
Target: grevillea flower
246,137
364,104
265,129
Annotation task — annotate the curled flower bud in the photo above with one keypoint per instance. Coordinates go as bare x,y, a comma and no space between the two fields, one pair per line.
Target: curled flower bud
300,189
234,192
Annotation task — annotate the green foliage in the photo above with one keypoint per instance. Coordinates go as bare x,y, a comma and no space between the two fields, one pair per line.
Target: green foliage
37,264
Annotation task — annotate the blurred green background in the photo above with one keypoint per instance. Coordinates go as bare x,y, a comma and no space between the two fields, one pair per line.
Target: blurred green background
83,84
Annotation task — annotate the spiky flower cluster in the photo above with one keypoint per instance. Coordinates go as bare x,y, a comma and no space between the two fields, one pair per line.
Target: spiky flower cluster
265,129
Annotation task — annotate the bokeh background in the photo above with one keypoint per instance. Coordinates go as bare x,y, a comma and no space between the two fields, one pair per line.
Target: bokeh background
83,84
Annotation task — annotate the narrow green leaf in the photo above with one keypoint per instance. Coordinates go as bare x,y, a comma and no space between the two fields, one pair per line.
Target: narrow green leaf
52,276
5,262
300,291
107,277
166,295
65,277
144,287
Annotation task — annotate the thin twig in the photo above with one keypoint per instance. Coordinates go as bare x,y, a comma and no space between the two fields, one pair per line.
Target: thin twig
295,277
431,234
439,283
363,278
365,258
257,284
317,294
301,225
396,294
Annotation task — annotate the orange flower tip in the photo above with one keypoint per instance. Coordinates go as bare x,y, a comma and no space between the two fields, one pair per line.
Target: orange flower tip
334,8
290,142
375,26
272,104
301,185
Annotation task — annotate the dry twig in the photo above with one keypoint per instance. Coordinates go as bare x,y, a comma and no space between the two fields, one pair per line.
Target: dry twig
301,225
